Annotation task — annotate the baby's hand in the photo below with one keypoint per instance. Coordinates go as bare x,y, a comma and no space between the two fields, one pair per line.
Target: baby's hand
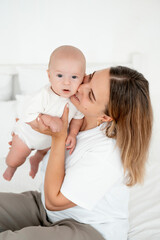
55,123
71,143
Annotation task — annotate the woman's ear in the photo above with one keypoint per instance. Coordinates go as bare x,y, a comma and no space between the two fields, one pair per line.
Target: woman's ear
103,118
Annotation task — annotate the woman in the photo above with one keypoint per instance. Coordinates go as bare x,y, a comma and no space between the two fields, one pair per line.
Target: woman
86,195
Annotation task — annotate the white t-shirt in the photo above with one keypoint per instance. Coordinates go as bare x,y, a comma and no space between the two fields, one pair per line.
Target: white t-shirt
46,102
94,182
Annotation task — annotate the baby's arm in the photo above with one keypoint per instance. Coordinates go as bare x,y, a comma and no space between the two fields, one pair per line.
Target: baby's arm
55,123
74,128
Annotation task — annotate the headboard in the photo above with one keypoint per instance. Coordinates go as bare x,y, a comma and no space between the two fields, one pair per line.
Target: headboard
28,78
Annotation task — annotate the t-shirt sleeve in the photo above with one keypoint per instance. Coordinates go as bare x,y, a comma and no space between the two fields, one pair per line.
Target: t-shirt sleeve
78,115
87,181
35,106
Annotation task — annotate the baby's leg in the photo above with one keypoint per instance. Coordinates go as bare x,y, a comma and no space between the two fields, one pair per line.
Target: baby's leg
35,160
17,155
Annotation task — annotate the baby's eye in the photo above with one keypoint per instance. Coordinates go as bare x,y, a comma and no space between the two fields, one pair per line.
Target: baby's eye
74,77
59,75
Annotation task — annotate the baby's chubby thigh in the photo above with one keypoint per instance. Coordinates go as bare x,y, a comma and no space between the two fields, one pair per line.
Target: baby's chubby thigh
32,138
25,140
18,153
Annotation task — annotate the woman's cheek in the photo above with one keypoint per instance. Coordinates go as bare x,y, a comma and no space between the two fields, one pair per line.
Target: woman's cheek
84,107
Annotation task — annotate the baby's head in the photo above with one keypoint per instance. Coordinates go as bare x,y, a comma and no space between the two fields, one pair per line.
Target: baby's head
66,70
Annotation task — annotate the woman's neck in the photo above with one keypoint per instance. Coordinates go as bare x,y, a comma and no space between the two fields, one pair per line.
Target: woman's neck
88,123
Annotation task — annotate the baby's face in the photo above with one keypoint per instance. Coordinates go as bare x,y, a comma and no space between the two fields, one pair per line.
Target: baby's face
65,76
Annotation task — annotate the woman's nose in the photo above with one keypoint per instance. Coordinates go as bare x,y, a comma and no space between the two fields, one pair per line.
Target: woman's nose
85,79
82,87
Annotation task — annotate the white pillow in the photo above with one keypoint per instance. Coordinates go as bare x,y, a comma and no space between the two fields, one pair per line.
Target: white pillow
22,103
7,120
5,87
31,79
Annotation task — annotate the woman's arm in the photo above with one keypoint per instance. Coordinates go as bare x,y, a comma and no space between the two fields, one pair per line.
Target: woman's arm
55,171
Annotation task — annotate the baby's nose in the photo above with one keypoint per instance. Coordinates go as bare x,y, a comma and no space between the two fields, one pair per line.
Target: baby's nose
66,80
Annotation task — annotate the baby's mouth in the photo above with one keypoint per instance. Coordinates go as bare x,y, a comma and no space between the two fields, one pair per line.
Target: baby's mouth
66,90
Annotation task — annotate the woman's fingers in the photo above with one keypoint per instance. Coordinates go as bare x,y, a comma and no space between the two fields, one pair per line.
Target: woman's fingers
41,124
10,142
12,134
65,114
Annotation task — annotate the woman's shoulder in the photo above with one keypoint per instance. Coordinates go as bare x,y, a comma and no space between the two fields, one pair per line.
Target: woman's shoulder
96,138
96,142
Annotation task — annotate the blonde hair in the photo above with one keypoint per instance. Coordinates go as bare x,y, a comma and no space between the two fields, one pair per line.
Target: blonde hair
131,110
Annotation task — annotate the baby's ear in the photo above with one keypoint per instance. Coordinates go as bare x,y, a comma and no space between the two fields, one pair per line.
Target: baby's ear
48,73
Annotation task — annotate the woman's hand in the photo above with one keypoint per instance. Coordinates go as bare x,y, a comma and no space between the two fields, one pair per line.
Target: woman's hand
40,126
12,134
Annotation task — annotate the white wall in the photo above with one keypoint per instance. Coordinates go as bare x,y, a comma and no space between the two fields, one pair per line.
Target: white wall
105,30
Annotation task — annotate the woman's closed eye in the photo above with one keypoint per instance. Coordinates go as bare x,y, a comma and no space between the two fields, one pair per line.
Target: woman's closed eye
91,95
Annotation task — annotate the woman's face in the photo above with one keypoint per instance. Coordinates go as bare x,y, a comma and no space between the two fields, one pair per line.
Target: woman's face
93,95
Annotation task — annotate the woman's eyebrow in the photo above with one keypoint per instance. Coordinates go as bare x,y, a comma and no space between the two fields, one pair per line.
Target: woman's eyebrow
93,74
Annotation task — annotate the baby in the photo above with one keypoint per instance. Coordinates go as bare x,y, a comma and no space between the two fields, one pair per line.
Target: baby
66,71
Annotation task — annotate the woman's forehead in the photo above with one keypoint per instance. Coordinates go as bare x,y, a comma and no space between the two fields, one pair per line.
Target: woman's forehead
101,84
101,78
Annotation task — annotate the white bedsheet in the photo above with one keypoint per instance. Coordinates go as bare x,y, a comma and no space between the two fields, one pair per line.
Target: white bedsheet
145,206
21,181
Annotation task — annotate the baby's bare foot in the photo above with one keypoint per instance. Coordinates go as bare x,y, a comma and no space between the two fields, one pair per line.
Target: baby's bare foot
8,174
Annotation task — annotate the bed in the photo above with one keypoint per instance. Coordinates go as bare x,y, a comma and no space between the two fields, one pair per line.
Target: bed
17,83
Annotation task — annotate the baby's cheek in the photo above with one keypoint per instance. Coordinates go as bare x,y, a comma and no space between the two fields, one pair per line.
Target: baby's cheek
77,86
74,89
